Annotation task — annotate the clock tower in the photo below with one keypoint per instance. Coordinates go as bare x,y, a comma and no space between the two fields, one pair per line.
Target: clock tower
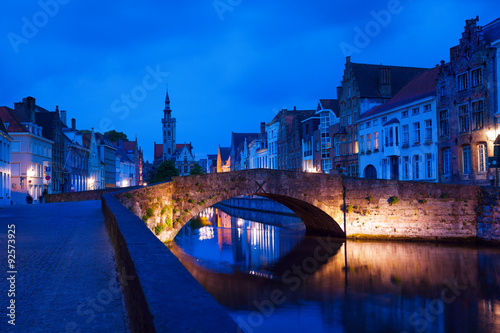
168,131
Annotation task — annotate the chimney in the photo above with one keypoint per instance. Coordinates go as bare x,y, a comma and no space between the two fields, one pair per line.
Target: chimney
385,81
294,108
26,109
262,128
63,116
73,124
339,92
348,59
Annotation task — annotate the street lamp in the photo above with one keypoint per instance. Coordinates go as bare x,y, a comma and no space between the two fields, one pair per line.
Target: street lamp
91,183
490,135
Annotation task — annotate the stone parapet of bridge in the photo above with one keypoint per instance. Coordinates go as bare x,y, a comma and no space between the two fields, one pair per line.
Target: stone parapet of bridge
327,204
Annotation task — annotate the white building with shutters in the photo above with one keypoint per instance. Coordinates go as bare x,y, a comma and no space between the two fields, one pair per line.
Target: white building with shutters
5,171
398,140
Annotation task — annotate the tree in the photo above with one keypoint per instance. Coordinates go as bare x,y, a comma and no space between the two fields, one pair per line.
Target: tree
166,170
115,136
196,170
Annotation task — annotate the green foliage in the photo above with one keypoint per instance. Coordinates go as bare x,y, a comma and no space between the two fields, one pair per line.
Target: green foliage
169,223
393,200
422,201
165,171
444,196
115,136
130,208
149,212
191,201
145,218
128,195
350,209
164,210
159,228
150,199
369,198
196,170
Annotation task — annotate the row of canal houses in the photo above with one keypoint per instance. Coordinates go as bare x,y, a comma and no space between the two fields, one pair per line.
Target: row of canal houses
41,154
437,124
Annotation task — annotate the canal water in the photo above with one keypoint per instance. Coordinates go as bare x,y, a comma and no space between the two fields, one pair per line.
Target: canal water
272,279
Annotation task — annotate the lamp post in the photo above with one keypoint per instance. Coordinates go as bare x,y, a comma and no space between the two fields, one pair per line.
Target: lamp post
495,160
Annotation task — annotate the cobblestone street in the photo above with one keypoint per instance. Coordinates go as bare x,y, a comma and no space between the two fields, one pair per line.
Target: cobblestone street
66,279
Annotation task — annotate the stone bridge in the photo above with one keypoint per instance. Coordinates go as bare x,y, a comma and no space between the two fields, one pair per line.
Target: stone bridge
327,204
315,198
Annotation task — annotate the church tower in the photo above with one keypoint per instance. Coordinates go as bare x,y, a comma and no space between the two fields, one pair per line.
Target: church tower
168,131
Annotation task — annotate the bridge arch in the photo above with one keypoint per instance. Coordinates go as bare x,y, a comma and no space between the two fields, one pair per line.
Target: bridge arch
315,198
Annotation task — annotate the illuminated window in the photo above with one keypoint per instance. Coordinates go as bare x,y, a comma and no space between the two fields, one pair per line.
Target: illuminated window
482,156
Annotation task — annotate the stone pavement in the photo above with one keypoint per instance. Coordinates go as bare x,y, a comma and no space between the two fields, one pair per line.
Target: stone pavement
66,279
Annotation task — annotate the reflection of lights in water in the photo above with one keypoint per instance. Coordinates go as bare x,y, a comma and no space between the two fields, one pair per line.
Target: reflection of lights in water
206,233
262,274
240,222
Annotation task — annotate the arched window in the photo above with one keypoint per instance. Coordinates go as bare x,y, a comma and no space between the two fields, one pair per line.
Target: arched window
370,172
466,160
481,155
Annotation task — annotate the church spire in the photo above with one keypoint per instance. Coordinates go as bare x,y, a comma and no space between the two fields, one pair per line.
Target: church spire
167,101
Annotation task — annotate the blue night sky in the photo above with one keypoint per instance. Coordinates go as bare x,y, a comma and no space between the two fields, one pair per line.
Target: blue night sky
227,69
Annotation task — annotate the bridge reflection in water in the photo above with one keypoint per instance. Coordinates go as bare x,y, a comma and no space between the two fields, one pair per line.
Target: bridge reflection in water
360,286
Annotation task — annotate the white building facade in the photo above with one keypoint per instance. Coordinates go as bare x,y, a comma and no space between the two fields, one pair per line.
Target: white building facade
31,164
272,130
258,155
400,143
5,165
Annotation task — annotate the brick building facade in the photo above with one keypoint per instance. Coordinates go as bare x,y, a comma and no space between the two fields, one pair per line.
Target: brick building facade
363,87
466,108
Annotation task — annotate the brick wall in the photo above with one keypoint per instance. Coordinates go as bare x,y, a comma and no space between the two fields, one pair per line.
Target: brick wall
423,211
81,196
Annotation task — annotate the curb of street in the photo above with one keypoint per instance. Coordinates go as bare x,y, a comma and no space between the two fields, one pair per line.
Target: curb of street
159,292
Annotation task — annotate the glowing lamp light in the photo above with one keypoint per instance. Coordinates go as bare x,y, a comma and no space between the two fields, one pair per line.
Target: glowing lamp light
31,173
145,184
490,135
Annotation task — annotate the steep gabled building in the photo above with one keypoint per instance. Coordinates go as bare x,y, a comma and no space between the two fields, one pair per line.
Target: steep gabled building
363,87
239,149
224,159
51,125
284,136
468,106
328,111
184,158
107,154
